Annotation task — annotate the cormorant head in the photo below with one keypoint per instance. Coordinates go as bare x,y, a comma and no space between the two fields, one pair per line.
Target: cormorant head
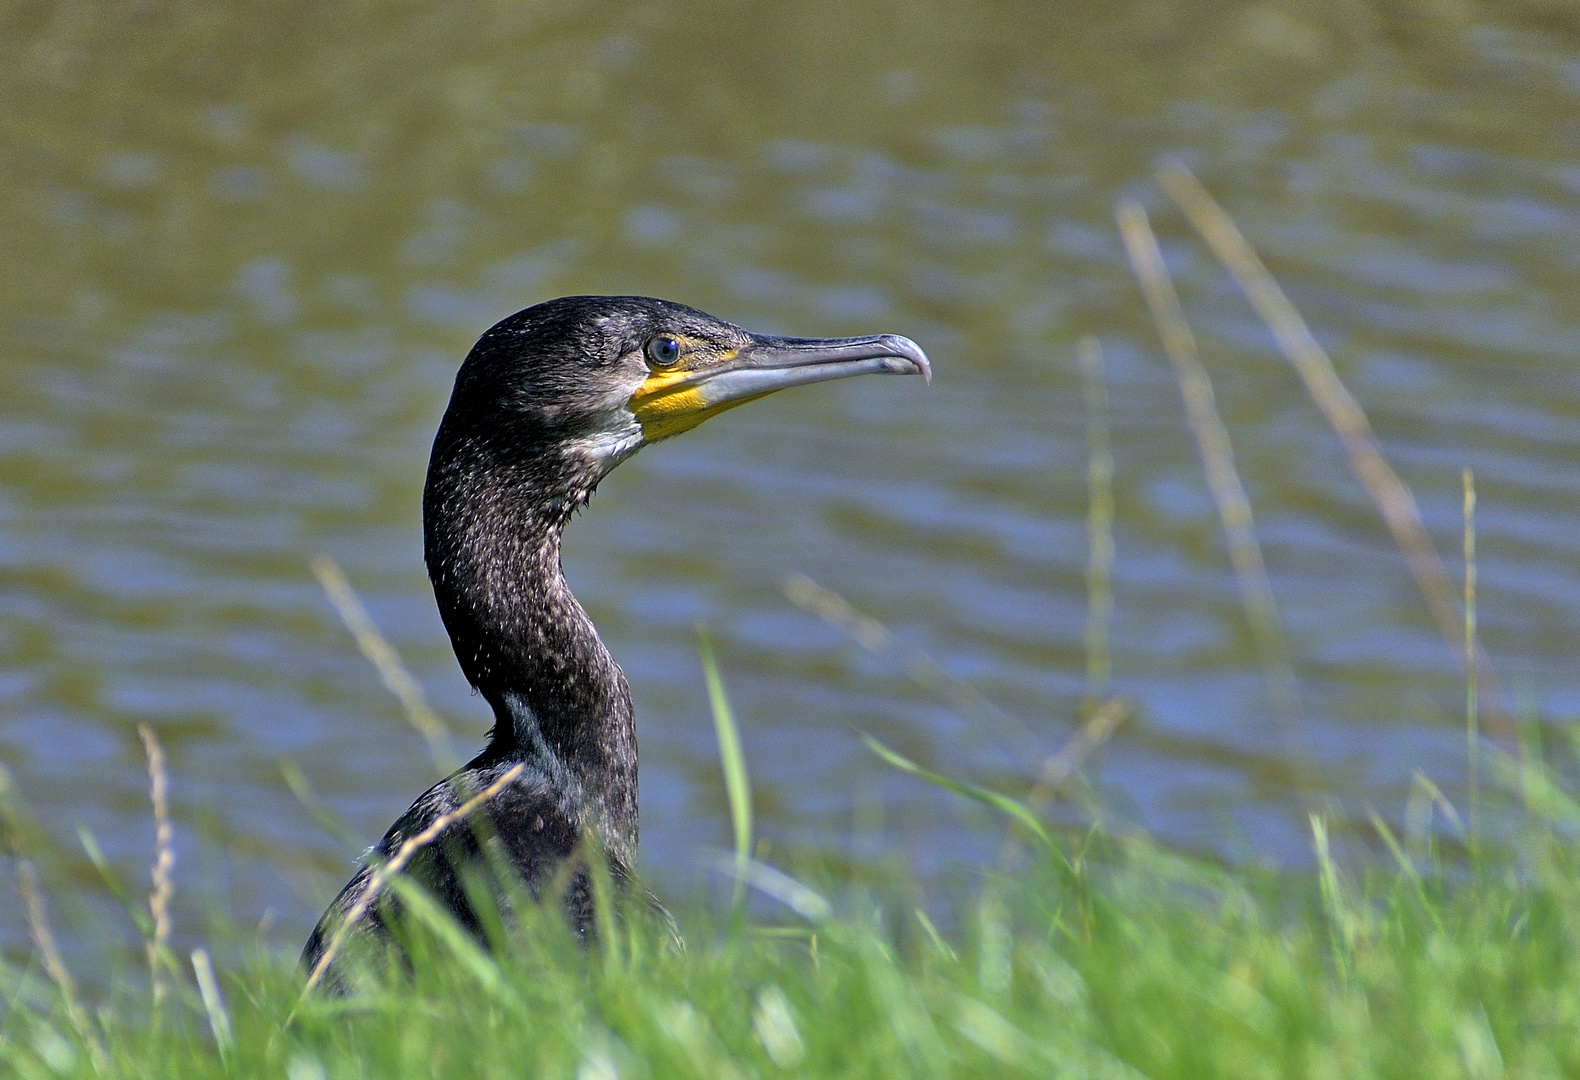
598,377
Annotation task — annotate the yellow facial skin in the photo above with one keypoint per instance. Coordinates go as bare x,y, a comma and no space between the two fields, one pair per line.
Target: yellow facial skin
666,405
672,400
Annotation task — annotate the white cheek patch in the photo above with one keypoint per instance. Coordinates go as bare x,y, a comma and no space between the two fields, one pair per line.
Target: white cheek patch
616,440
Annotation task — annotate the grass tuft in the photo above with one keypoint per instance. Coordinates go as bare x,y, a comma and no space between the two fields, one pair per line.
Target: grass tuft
1102,954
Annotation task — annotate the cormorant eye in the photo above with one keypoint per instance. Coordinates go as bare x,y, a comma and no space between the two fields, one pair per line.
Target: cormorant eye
663,350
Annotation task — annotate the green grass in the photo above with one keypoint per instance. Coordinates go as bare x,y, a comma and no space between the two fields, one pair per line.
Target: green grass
1101,955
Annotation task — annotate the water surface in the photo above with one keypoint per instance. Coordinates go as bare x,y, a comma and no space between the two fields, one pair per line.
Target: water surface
246,251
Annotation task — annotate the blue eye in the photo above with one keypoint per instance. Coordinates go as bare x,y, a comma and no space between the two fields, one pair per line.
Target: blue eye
663,350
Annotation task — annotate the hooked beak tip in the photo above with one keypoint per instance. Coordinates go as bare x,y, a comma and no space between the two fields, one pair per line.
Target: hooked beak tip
903,348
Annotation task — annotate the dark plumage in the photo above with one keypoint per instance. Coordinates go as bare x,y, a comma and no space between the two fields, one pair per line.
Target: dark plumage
548,401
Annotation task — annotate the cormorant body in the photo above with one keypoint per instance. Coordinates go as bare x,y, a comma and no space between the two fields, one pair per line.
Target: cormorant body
548,401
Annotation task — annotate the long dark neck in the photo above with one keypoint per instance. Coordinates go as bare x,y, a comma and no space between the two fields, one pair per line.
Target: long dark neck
493,515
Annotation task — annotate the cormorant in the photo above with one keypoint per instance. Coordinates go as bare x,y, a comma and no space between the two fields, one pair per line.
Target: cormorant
547,402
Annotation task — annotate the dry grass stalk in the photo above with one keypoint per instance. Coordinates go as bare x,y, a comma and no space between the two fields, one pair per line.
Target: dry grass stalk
1099,522
164,858
1217,455
835,610
922,669
872,635
38,927
38,922
1058,769
403,855
397,678
1311,362
54,965
1435,797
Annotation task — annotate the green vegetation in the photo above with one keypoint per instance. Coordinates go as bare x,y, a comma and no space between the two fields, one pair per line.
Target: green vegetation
1100,954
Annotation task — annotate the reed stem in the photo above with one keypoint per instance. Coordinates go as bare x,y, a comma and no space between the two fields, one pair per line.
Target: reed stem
1472,736
1217,457
397,678
1311,362
1099,523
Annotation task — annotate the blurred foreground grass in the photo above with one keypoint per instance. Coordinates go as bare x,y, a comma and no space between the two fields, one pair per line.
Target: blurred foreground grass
1090,951
1100,955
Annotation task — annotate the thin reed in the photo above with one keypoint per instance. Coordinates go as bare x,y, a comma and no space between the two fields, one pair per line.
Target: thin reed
37,916
1472,695
1223,479
1099,522
920,668
1388,492
384,873
386,660
54,965
1061,767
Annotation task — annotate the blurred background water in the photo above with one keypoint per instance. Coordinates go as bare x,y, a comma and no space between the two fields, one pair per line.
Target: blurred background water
245,248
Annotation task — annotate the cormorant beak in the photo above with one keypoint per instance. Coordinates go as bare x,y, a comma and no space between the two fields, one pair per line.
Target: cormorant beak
670,402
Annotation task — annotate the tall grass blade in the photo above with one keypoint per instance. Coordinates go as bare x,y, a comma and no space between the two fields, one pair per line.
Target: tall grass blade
113,881
737,785
1406,867
771,882
603,898
1340,921
462,946
1420,780
325,818
1544,795
214,1005
776,1028
945,950
1057,771
1002,803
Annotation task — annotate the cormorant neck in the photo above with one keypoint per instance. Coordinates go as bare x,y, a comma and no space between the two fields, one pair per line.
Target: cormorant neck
493,513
